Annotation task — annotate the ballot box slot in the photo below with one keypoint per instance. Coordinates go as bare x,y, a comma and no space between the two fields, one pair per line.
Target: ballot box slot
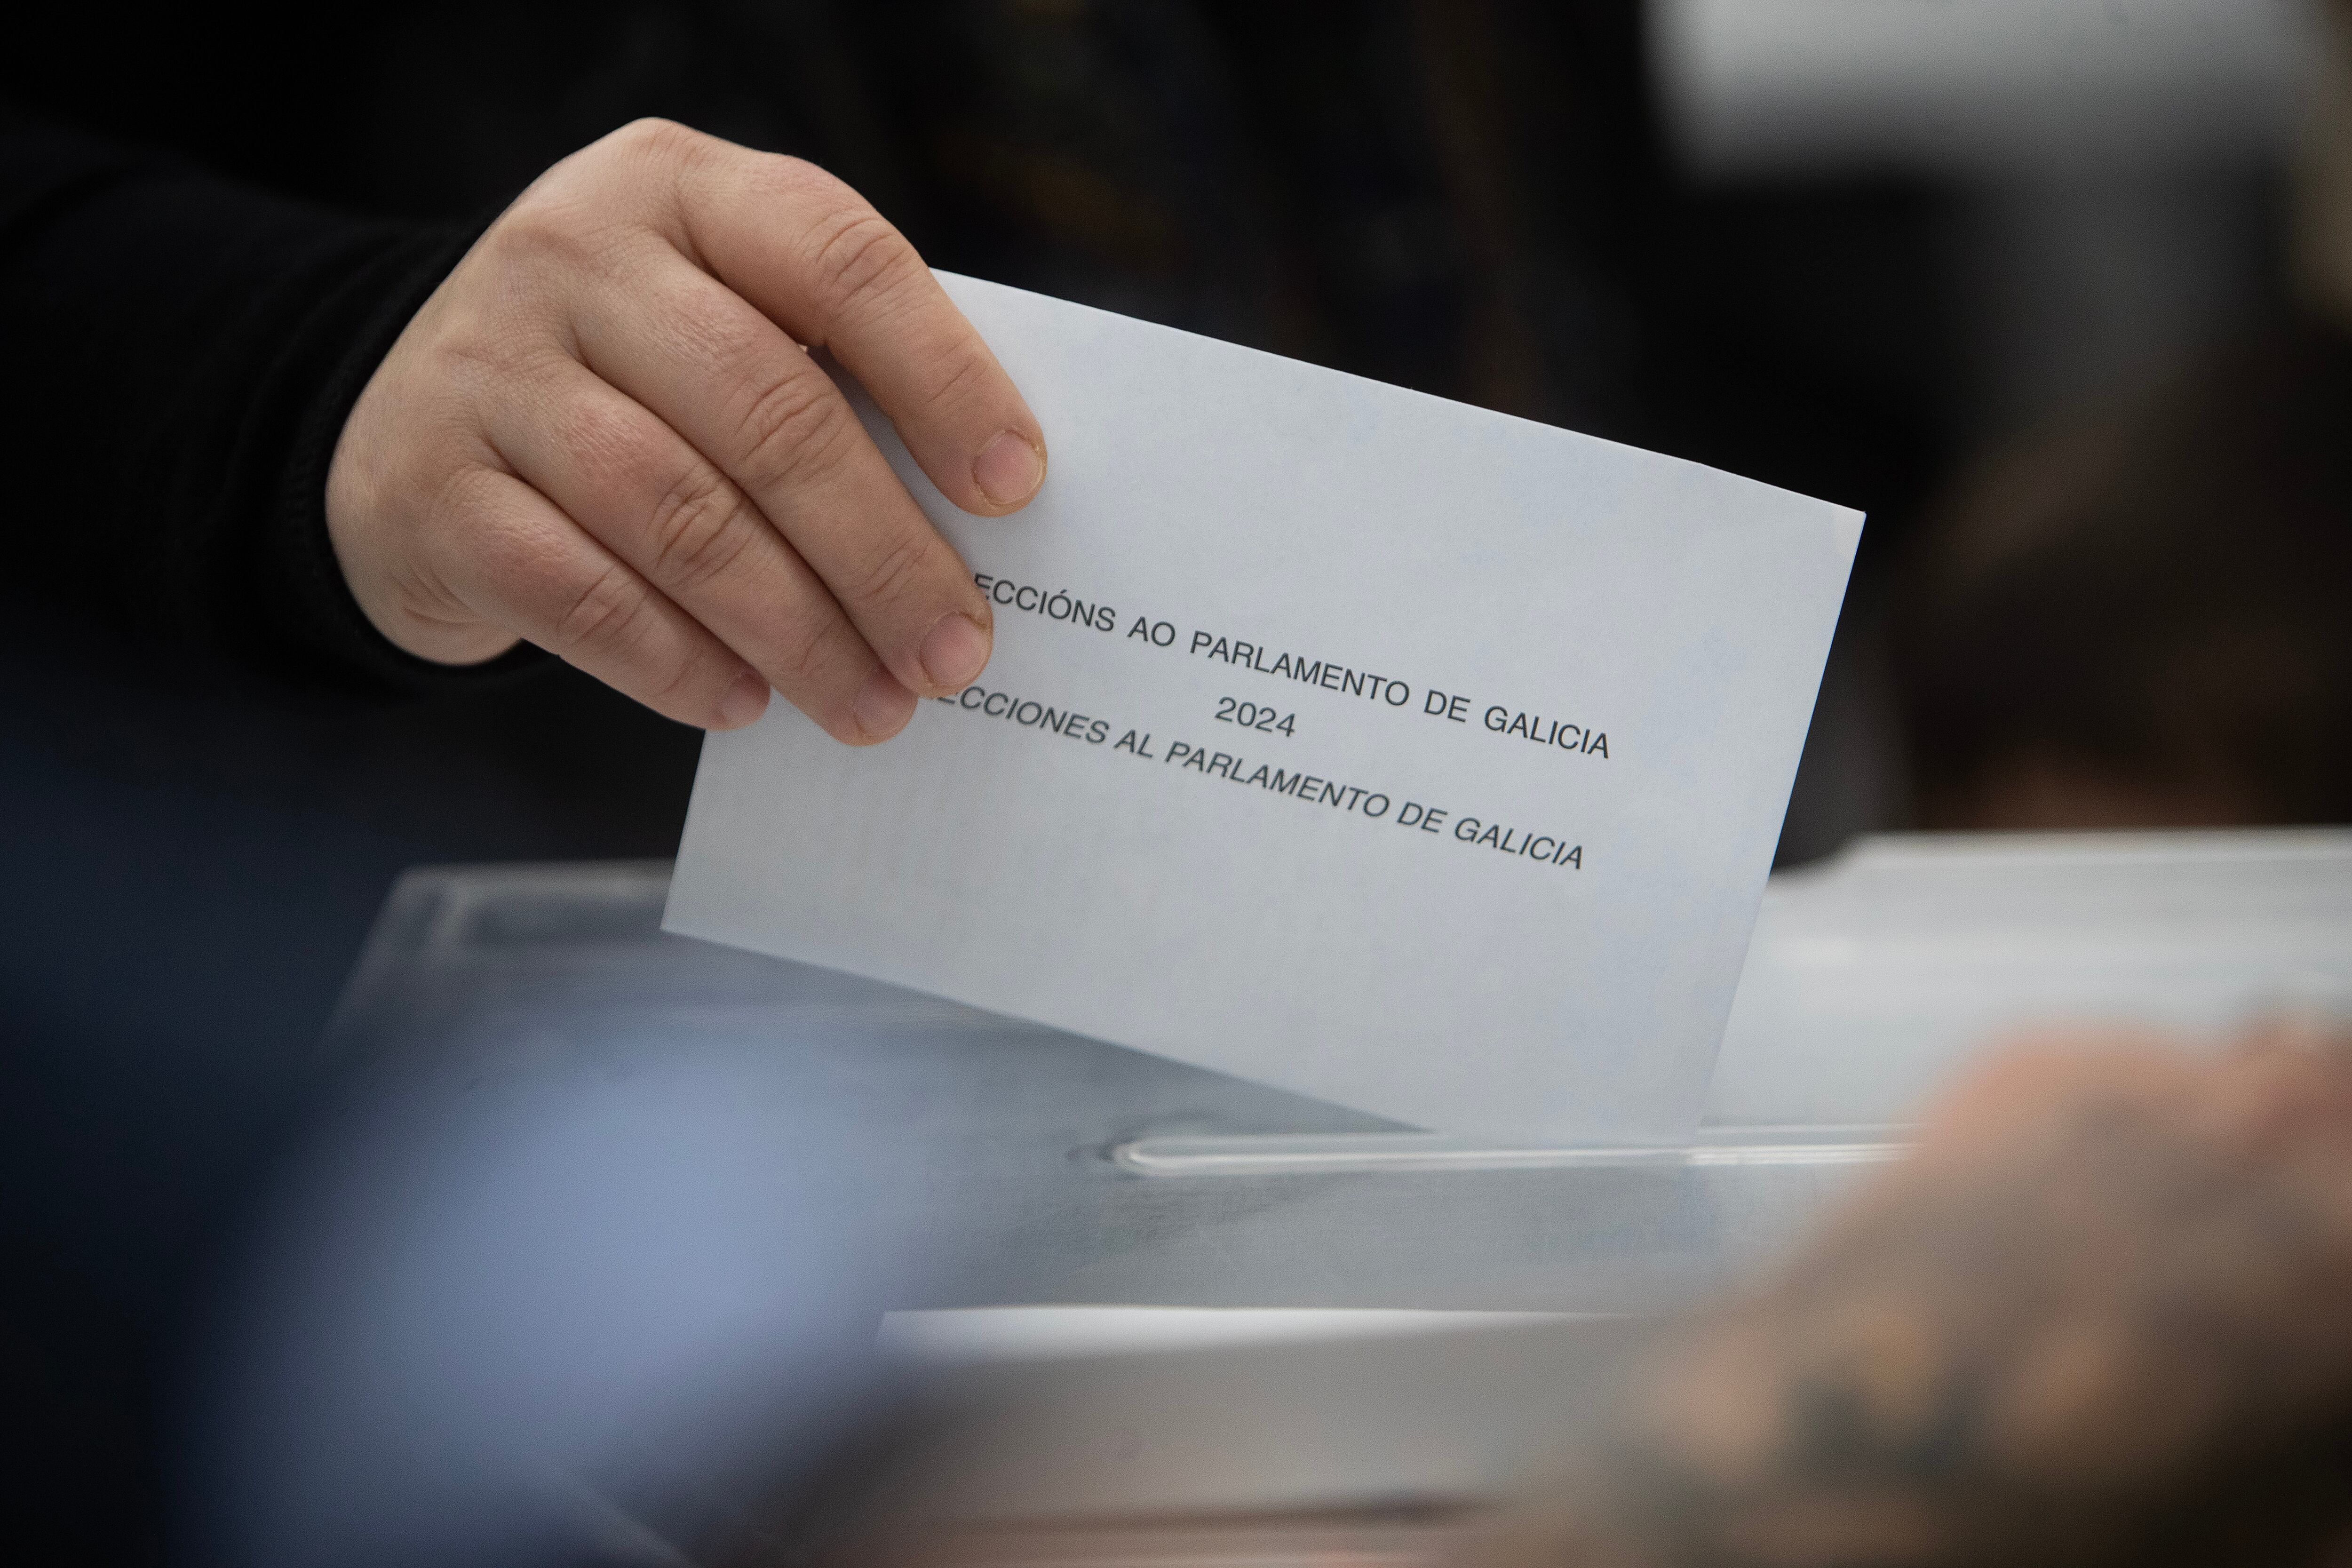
1262,1154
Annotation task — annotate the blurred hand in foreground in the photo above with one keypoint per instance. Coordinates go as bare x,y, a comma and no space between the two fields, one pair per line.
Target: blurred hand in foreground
2103,1315
603,433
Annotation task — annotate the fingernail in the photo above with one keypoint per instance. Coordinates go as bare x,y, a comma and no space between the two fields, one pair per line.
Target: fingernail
746,700
882,706
1009,469
954,652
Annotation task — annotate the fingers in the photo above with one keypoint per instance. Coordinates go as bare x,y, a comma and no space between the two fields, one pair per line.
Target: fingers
745,396
2286,1083
2278,1082
2019,1087
814,258
679,523
601,434
524,565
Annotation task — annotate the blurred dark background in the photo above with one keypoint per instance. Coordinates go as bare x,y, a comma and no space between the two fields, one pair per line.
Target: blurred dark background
2015,278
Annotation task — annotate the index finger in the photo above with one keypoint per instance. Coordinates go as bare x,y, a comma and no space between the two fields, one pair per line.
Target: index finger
822,264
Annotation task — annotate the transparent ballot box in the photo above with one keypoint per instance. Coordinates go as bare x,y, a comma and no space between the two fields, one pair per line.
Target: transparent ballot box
595,1211
1050,1168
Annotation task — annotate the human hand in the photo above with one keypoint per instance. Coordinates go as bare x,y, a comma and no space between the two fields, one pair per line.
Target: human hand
601,434
2097,1318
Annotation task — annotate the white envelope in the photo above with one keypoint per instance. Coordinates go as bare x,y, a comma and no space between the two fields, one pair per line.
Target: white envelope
1408,755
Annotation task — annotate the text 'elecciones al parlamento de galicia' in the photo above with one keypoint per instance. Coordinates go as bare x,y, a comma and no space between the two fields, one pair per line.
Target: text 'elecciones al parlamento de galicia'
1044,718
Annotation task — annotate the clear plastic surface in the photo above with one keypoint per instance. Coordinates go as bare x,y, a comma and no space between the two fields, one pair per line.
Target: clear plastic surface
1061,1169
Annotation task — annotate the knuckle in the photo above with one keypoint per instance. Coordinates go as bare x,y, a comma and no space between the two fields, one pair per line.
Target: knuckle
795,428
894,571
663,140
700,528
803,655
606,615
858,257
601,444
476,364
592,201
708,322
541,227
954,383
685,686
788,176
802,186
560,229
457,512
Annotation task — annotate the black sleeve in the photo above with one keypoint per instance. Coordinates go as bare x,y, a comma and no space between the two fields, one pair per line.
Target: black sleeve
177,357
